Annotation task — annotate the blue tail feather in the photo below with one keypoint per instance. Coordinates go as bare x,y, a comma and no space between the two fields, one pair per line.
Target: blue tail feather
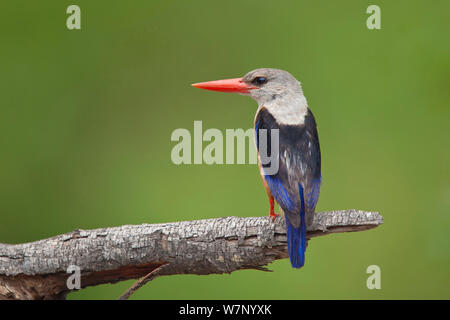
296,237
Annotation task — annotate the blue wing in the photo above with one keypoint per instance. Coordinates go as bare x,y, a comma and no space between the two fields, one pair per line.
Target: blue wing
296,184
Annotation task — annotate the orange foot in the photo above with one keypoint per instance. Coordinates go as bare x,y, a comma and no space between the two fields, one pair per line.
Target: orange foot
272,213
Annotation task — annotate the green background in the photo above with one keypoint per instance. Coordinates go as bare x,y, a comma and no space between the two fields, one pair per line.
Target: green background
86,118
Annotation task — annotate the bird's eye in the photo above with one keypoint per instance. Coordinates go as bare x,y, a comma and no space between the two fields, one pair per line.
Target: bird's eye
259,80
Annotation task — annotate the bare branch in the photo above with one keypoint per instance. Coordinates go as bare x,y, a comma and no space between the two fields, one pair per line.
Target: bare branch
37,270
140,283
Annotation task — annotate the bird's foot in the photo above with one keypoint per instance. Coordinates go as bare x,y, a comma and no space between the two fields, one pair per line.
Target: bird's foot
273,215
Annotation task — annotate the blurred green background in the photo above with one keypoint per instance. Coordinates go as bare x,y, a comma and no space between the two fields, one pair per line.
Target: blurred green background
86,118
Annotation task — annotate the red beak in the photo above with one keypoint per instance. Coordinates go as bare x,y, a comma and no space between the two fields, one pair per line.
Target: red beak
227,85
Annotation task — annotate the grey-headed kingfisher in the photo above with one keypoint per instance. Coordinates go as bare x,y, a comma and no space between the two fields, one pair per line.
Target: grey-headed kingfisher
296,184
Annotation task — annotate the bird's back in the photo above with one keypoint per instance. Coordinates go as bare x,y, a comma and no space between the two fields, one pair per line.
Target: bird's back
299,162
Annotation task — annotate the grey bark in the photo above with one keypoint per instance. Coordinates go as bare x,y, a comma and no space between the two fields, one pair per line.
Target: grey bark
37,270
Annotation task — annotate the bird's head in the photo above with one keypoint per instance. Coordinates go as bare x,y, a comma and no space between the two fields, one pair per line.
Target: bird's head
263,85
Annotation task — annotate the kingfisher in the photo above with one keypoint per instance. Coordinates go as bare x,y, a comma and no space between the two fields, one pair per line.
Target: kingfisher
295,186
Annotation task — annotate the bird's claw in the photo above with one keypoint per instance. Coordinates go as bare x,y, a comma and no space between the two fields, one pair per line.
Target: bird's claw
273,215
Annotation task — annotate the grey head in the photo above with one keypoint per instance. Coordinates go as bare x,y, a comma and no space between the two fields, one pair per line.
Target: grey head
272,84
279,92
